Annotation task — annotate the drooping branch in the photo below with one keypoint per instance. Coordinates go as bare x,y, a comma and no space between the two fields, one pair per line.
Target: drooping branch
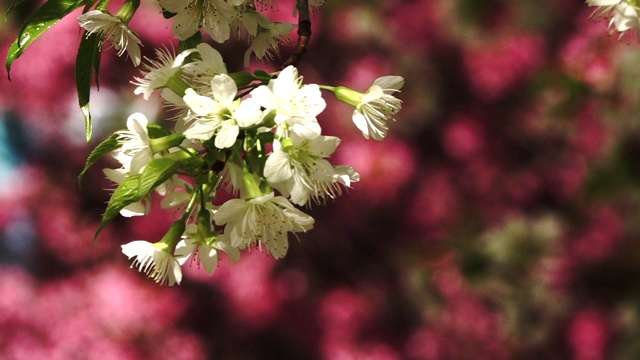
304,33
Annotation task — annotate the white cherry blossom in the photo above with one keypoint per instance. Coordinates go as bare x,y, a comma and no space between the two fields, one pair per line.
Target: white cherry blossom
375,107
215,16
300,170
194,245
154,260
264,44
159,72
221,114
623,15
202,70
295,105
135,152
114,30
265,220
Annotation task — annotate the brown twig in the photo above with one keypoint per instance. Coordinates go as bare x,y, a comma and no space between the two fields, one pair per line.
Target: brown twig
304,33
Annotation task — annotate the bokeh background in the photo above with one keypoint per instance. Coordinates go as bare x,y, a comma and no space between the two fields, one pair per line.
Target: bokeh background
499,220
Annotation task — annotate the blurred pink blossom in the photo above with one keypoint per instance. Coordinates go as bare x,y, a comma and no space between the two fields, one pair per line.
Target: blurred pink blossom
429,344
435,204
418,24
40,83
600,237
344,317
589,334
384,168
106,313
587,55
590,134
463,137
250,288
494,68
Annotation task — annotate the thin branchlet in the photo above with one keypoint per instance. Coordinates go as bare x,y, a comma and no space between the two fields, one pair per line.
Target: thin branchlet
304,33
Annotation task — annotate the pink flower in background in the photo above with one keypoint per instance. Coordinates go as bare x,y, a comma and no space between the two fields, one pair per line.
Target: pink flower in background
591,134
463,137
257,303
93,315
495,68
435,204
588,56
418,24
524,186
589,334
427,343
344,316
344,313
38,83
599,238
383,168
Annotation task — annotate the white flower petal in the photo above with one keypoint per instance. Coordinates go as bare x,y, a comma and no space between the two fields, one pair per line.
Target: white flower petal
201,105
248,113
602,2
224,89
391,82
265,97
361,123
277,168
323,146
186,23
229,210
227,135
625,17
286,85
184,250
208,258
134,209
211,58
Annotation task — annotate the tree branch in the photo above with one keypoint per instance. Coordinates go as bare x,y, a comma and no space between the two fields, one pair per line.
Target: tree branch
304,33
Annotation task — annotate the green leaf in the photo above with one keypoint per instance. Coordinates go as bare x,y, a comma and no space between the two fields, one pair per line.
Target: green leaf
242,78
157,172
261,73
40,21
136,187
88,59
157,131
126,193
105,147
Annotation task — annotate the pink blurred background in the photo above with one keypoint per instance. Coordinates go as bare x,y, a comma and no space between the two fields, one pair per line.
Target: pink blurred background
499,219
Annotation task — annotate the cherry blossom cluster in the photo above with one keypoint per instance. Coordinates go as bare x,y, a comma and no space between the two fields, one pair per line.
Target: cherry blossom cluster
218,18
253,135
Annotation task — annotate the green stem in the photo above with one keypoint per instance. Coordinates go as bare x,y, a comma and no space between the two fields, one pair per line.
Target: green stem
250,185
190,205
172,237
165,142
328,88
177,85
127,10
